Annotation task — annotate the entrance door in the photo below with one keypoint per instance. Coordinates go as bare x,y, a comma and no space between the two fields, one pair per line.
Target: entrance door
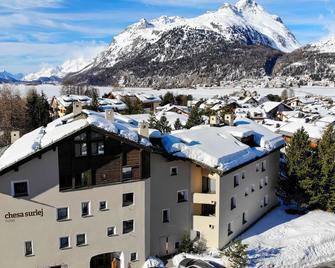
107,260
164,246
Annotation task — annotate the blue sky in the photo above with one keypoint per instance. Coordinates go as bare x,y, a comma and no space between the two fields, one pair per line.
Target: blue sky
36,33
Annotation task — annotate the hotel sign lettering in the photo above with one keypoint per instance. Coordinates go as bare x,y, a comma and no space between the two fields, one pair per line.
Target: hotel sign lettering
9,216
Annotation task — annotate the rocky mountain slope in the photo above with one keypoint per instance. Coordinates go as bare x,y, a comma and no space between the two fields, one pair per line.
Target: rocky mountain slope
235,42
310,63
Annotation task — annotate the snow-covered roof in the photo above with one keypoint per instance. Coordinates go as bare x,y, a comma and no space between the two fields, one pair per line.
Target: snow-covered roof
67,100
63,127
219,147
268,106
107,104
148,98
314,132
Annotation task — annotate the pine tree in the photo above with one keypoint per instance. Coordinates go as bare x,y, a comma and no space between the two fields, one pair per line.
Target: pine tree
177,124
37,110
163,125
152,121
95,101
194,119
299,168
168,98
237,254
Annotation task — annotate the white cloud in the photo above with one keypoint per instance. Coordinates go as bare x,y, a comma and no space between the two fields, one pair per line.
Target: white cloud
29,4
29,57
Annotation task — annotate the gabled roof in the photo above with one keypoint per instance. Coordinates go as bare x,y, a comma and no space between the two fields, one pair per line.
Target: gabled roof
268,106
44,137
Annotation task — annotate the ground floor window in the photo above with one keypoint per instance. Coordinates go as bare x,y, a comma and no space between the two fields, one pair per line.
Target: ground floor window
28,248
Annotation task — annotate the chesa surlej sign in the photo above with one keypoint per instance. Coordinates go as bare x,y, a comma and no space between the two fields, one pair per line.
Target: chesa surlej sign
9,216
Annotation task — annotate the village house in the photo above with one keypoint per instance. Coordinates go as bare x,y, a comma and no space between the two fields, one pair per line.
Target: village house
91,189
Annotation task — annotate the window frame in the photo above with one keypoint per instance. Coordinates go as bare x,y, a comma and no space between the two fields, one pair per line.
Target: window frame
187,197
85,240
230,228
68,240
106,205
68,214
131,204
263,166
174,174
136,257
132,231
89,212
233,202
236,180
13,188
32,248
111,235
168,215
126,178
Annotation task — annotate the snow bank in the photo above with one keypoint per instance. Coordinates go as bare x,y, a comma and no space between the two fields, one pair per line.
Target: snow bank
283,240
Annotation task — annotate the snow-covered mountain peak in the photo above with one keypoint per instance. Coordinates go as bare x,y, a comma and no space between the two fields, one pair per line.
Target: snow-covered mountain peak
247,4
326,45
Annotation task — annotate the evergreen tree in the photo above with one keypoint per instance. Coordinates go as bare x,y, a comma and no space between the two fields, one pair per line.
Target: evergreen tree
95,101
163,125
299,168
153,122
194,119
237,254
284,94
37,107
168,98
177,124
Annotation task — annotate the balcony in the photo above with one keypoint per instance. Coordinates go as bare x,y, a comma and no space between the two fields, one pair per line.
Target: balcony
202,198
203,223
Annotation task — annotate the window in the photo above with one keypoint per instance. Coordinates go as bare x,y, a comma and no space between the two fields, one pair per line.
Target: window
81,240
85,209
127,173
266,181
182,196
173,171
64,242
261,184
20,188
233,203
133,256
111,231
80,149
62,214
263,166
84,179
230,230
128,226
236,180
28,248
81,137
177,245
266,200
253,188
166,215
127,199
257,167
243,175
244,218
98,148
103,205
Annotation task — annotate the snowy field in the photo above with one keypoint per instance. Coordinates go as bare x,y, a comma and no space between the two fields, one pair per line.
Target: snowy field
54,90
280,240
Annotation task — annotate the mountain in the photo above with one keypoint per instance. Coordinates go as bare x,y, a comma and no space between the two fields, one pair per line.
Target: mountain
6,77
315,62
214,46
53,74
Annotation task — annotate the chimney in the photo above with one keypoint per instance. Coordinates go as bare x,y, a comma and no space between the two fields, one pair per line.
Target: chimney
214,120
144,129
109,115
14,136
77,108
229,119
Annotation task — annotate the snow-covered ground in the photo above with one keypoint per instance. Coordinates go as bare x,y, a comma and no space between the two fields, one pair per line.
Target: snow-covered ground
281,240
54,90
